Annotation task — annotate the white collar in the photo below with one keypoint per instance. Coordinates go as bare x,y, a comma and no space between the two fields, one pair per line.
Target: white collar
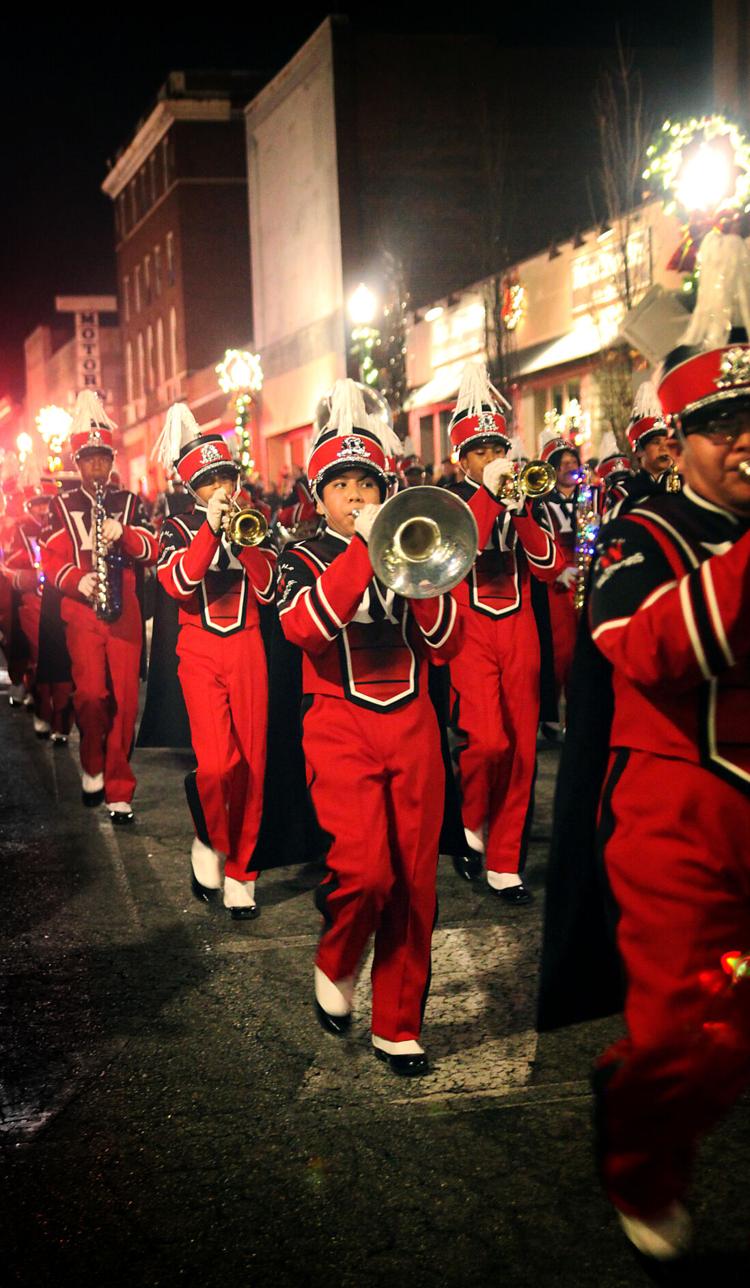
693,496
331,532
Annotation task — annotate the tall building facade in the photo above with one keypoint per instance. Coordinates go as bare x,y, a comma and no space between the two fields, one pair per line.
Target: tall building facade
356,148
181,230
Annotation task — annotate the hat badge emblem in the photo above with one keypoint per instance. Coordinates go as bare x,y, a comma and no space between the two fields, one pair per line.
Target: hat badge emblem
734,369
352,446
486,423
95,436
210,453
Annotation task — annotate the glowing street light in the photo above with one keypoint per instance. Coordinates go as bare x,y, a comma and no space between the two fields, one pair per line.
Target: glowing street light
362,306
706,179
53,424
24,444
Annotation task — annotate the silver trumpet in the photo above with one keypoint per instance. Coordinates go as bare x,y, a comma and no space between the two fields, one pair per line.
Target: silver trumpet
423,542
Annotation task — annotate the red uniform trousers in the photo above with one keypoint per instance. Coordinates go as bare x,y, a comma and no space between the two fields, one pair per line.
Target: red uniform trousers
105,662
495,678
681,877
225,685
377,783
564,628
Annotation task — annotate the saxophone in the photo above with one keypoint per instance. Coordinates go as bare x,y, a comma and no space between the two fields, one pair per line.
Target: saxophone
107,566
587,528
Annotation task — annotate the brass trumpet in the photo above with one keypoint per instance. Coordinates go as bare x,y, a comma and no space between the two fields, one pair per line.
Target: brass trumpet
245,526
537,478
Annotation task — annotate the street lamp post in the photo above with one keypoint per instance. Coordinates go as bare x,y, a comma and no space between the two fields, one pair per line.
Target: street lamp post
53,424
241,375
365,337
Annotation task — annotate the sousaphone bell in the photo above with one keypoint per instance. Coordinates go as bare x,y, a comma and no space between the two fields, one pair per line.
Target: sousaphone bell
423,542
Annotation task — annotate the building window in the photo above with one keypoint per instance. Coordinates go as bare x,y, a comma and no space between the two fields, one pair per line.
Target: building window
143,193
122,214
165,161
126,298
128,372
152,176
140,391
445,435
540,410
160,373
170,259
173,342
150,357
147,279
157,270
137,289
133,205
426,441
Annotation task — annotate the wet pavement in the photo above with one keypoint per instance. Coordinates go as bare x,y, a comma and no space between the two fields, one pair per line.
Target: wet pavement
170,1112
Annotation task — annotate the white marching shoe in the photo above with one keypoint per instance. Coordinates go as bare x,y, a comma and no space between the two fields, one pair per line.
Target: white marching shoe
239,899
205,871
92,789
665,1238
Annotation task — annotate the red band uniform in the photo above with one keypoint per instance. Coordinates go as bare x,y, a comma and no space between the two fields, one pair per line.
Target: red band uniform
670,609
372,749
105,657
495,677
222,662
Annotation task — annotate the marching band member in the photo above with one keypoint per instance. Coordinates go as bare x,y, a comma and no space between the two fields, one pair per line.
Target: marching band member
24,567
222,664
371,740
104,654
612,472
649,437
495,677
670,610
561,509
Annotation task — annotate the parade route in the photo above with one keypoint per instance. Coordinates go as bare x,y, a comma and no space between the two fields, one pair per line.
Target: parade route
171,1113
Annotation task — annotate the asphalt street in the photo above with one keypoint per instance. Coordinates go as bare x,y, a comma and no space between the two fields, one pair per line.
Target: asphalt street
171,1113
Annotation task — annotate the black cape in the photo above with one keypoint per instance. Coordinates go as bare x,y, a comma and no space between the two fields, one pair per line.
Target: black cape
164,722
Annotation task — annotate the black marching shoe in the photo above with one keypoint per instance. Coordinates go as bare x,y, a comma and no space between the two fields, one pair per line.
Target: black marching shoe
468,866
338,1025
244,913
203,893
406,1066
120,816
516,894
92,799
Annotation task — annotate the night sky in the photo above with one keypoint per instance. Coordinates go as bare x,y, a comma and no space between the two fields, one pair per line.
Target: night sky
74,87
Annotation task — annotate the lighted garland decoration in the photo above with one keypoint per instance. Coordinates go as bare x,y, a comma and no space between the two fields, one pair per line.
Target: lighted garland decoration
514,305
676,147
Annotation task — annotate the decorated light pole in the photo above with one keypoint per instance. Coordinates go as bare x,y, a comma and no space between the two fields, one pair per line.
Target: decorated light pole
363,307
241,375
53,424
702,169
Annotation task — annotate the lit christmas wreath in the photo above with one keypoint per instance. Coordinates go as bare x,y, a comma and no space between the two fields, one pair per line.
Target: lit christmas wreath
702,168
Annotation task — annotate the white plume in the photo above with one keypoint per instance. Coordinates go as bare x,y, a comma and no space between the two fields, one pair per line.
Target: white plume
517,450
546,436
89,409
608,446
180,427
476,390
347,408
723,290
647,402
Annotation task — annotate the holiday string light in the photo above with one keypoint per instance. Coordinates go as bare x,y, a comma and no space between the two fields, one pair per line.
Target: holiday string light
53,424
240,373
514,305
736,964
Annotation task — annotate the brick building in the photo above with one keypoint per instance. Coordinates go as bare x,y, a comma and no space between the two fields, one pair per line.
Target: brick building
180,201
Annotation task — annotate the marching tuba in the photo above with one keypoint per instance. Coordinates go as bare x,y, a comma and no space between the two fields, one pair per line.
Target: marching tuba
423,542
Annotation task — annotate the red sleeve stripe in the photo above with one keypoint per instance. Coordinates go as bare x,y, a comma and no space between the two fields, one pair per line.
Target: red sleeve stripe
266,595
146,540
329,620
692,628
324,603
545,560
184,584
64,571
713,611
617,623
652,523
449,604
293,602
314,616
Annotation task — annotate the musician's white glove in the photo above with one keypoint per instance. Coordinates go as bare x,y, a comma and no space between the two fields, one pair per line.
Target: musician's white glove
217,509
494,477
87,585
365,519
111,530
567,578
